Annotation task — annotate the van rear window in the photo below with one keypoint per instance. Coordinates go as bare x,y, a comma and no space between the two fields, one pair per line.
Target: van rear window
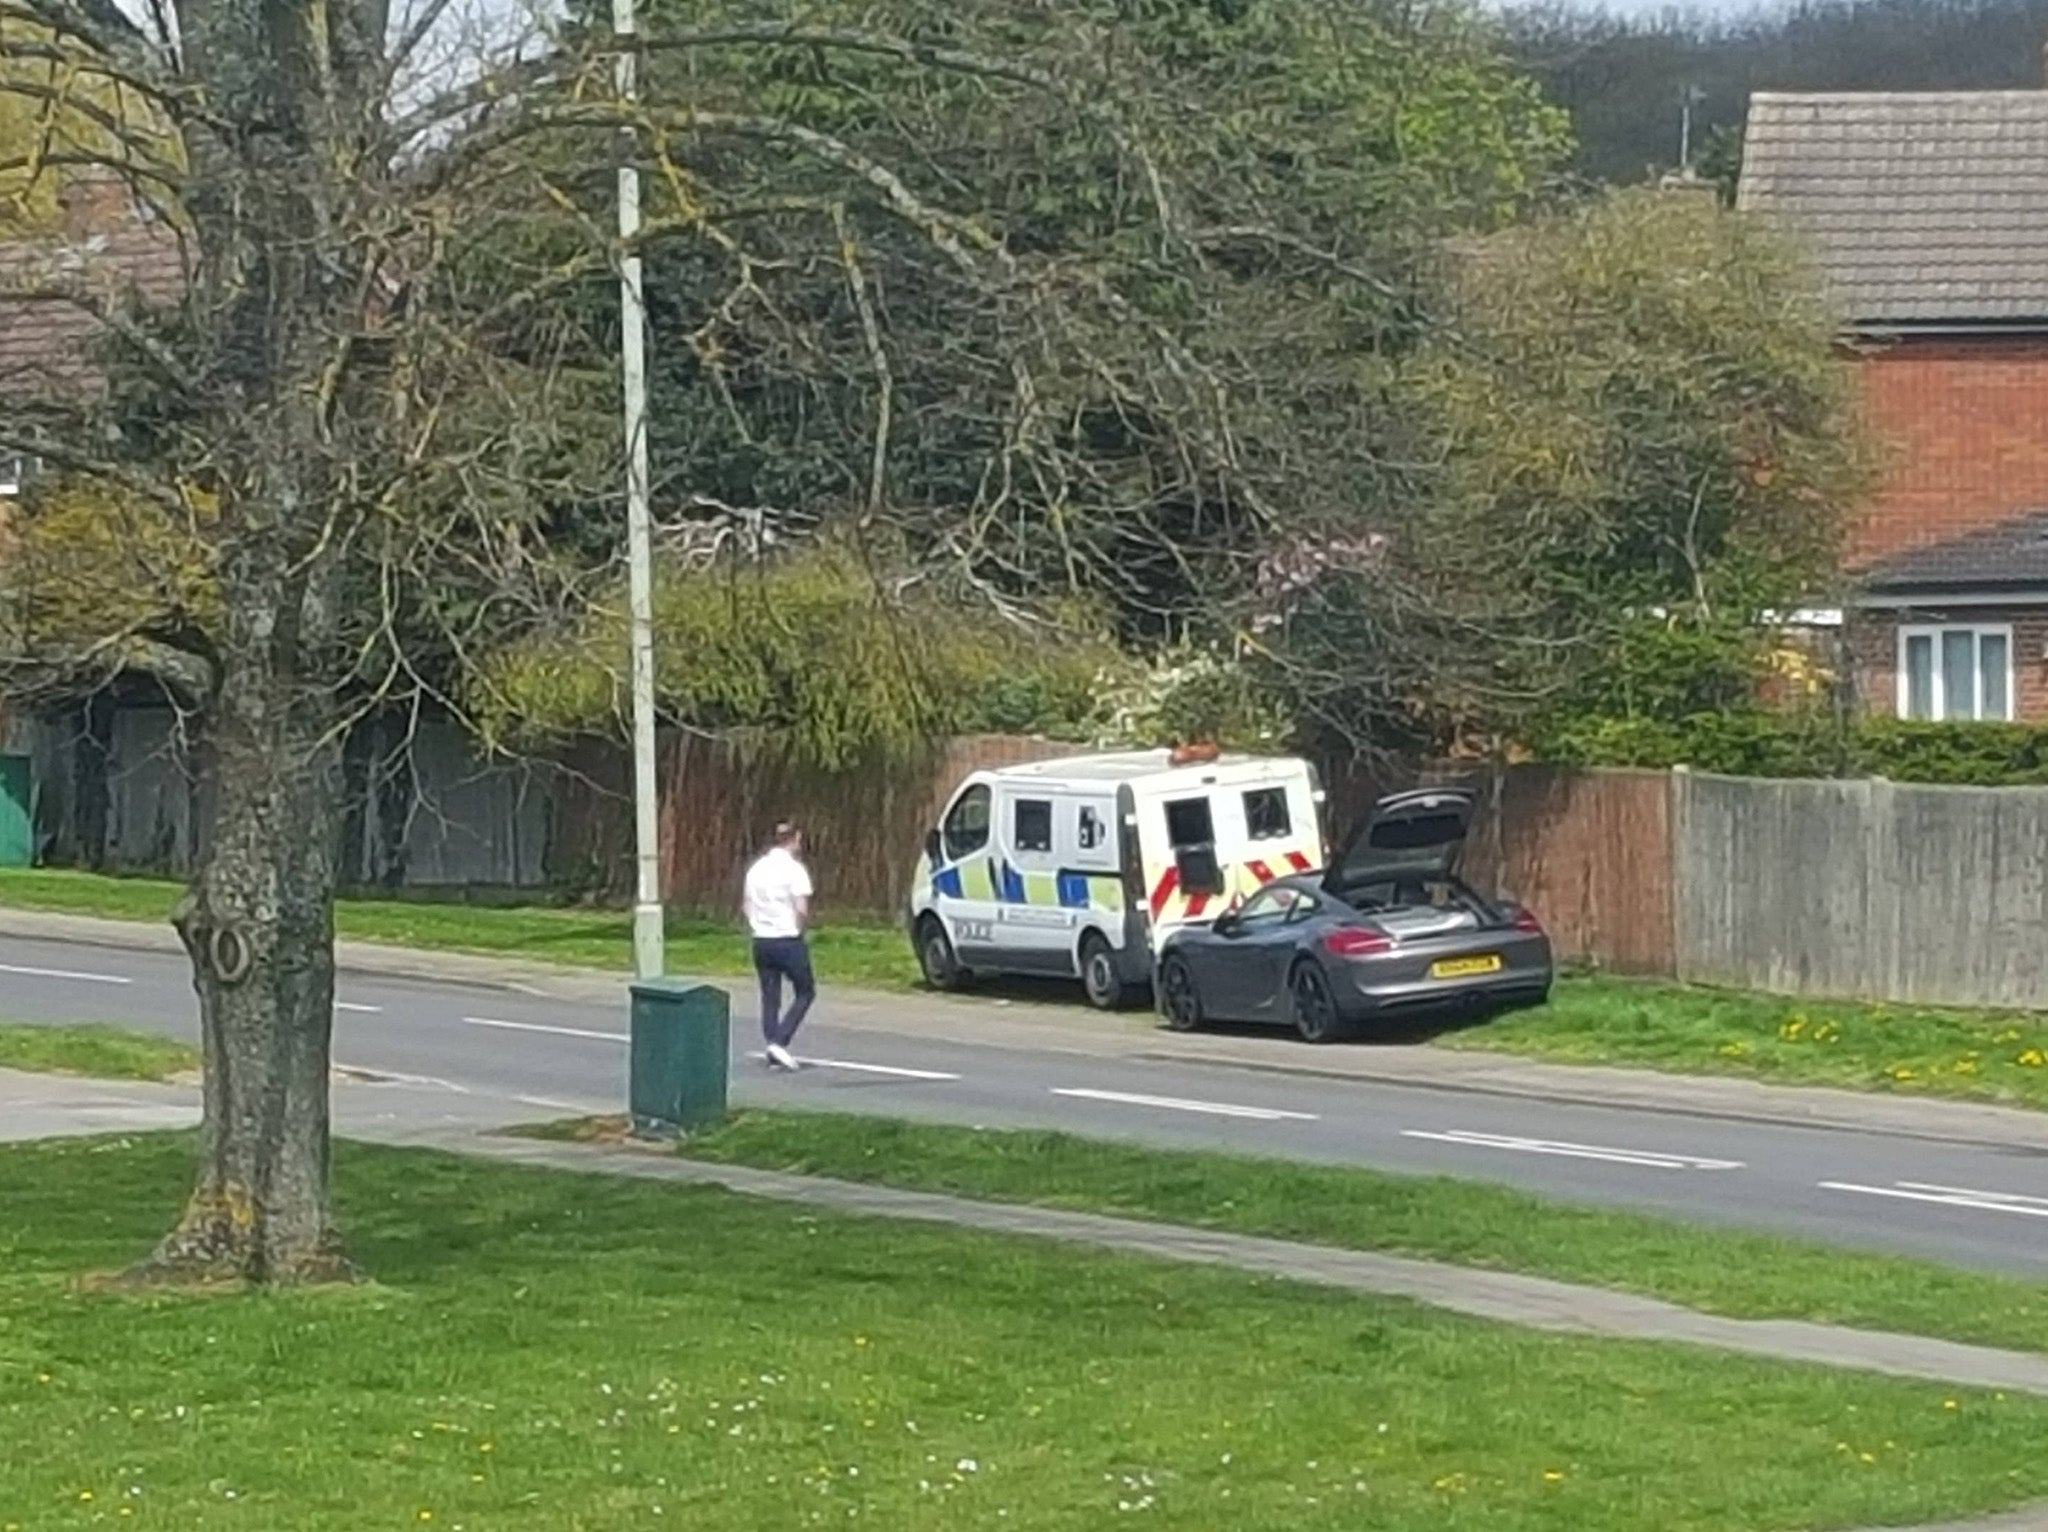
1189,823
1265,814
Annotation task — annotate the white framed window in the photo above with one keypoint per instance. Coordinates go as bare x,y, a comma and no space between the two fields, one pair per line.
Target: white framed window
13,473
1956,671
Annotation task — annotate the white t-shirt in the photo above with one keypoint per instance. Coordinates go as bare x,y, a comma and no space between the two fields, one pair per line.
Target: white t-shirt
775,884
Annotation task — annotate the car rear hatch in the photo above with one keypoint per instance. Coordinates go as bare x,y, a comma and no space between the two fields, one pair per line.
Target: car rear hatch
1415,834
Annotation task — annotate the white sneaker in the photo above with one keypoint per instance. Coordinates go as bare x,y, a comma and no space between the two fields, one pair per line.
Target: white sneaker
781,1057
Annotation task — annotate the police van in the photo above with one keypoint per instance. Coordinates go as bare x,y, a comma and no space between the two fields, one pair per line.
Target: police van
1081,867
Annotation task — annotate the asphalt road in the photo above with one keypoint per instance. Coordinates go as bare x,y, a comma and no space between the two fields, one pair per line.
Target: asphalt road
501,1056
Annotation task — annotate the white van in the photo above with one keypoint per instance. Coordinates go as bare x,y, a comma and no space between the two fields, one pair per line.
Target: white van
1083,866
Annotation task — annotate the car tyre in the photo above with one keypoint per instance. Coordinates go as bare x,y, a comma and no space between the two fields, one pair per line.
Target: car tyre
936,957
1314,1004
1100,979
1180,1002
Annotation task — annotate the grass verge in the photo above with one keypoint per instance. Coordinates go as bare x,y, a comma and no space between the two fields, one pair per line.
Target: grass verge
106,1053
874,956
1470,1223
1919,1050
551,1352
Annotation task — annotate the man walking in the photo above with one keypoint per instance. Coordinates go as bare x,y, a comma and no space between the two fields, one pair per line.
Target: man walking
778,910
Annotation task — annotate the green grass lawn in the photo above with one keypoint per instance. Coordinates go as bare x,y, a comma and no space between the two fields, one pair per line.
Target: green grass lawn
867,955
555,1352
107,1053
1974,1055
1471,1223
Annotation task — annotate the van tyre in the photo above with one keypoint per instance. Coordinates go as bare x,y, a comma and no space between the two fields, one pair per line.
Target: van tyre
1180,1003
936,957
1314,1004
1101,979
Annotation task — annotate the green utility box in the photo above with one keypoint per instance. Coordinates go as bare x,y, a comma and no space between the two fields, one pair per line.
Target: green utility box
682,1050
17,812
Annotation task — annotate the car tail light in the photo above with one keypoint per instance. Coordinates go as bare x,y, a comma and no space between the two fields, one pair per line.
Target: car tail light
1355,941
1525,920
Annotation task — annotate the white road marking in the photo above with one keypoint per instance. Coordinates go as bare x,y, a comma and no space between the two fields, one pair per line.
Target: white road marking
867,1069
1949,1196
361,1010
365,1075
65,973
572,1107
1178,1104
534,1026
1650,1158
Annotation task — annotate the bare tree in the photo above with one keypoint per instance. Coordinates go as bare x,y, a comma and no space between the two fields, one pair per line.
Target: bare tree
357,449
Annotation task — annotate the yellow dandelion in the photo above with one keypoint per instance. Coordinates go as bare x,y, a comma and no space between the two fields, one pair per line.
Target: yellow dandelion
1553,1476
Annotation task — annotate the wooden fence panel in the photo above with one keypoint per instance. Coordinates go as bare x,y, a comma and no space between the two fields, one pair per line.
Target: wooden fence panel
1865,889
719,802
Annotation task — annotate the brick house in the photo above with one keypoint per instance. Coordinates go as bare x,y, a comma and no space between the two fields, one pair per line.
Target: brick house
1927,213
102,242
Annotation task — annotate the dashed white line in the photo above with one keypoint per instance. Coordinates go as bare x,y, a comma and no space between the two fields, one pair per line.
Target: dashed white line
65,973
367,1076
1180,1104
534,1026
548,1104
1649,1158
361,1010
868,1069
1948,1196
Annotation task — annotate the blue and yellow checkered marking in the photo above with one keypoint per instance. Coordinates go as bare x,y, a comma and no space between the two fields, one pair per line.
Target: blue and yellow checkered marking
992,879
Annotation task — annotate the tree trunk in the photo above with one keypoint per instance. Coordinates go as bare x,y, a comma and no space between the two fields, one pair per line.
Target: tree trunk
258,922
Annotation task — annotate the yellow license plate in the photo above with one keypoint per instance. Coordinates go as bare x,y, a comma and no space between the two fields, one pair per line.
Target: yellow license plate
1465,968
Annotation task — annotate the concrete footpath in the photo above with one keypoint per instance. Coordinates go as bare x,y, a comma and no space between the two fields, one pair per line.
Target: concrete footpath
1049,1026
42,1106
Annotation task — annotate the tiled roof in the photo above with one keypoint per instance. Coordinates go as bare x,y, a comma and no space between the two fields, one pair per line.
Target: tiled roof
1920,206
106,243
2011,554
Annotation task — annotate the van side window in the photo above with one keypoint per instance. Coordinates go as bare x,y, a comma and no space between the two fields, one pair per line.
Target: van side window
1189,823
1088,834
1031,825
1265,814
966,828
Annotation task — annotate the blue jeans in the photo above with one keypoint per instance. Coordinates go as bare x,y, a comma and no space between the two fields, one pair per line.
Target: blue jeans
776,959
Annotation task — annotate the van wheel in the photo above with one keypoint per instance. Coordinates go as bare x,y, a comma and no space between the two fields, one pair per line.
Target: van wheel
1316,1016
936,957
1099,976
1180,1003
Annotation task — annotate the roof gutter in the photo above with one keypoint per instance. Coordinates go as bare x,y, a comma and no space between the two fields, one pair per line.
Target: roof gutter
1859,329
1950,596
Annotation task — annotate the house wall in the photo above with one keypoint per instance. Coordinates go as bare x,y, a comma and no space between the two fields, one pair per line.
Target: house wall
1874,650
1960,422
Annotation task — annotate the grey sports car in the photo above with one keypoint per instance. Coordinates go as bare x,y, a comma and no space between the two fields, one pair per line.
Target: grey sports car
1389,928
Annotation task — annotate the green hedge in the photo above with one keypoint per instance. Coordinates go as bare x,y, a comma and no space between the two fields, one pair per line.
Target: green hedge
1754,743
